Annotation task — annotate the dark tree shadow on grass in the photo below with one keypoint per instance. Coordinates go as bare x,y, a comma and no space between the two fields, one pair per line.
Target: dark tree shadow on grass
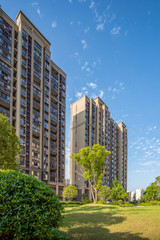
93,224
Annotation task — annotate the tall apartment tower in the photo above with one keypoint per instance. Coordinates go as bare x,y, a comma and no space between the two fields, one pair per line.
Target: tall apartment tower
33,96
91,124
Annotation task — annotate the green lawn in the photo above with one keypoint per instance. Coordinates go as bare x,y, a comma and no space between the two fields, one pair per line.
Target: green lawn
96,222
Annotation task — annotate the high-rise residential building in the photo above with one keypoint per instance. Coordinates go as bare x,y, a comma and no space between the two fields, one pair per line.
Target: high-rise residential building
33,96
91,124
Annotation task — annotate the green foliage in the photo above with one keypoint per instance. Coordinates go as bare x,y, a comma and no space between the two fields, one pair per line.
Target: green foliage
104,193
92,161
58,235
126,204
9,145
83,196
70,192
29,209
152,192
118,192
87,202
151,203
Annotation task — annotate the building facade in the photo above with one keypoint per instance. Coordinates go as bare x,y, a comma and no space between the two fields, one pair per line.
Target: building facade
33,97
139,193
91,124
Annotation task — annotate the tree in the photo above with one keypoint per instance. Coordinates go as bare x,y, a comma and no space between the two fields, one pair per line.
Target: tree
118,192
9,145
152,192
84,197
92,162
29,209
104,193
70,192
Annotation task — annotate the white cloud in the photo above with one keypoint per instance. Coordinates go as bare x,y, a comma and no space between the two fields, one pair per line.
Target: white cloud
78,94
88,69
84,88
92,85
100,27
151,163
101,93
92,4
84,66
54,24
82,1
36,6
94,64
84,44
125,115
109,89
115,30
87,29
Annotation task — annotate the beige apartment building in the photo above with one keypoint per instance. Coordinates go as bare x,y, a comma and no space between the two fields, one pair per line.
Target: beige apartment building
91,124
33,96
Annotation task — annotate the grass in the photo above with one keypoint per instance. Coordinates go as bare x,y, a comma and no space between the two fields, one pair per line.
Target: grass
99,222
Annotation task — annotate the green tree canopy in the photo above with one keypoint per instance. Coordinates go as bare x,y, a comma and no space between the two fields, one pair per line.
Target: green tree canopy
153,191
92,162
118,192
70,192
9,145
104,193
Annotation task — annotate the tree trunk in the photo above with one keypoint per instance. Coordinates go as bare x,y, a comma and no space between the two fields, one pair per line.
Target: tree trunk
95,199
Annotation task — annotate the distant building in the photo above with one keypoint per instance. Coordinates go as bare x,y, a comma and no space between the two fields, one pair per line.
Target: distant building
132,196
91,124
139,193
67,182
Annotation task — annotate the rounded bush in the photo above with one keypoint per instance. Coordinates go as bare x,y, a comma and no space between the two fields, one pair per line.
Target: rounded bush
29,209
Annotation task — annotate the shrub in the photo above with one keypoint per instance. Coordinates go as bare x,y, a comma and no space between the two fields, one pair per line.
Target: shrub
70,192
151,203
29,209
126,204
87,201
58,235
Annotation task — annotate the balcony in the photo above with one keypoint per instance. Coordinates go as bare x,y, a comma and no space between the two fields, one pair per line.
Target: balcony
53,151
53,165
53,159
36,131
53,136
36,104
54,119
53,128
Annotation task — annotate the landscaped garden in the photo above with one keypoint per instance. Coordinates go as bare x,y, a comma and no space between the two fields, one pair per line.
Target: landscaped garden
98,222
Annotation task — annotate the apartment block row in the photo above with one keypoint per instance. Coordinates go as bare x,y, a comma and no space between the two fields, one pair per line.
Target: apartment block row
33,97
91,124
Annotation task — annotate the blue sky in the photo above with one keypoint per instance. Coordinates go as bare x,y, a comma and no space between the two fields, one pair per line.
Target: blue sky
110,49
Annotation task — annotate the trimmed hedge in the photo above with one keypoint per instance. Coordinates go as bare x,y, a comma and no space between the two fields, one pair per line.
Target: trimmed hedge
151,203
29,209
74,203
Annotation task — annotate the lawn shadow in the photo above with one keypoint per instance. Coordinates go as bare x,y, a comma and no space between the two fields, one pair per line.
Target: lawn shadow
90,223
100,233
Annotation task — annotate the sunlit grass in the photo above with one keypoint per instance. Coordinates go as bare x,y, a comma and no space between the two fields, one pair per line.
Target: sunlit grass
96,222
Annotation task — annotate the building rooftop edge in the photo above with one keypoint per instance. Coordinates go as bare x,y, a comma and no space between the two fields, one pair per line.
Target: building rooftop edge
8,17
20,12
52,62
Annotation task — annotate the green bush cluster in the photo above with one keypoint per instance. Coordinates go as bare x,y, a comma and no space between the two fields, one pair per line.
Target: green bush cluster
29,209
58,235
75,203
150,203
